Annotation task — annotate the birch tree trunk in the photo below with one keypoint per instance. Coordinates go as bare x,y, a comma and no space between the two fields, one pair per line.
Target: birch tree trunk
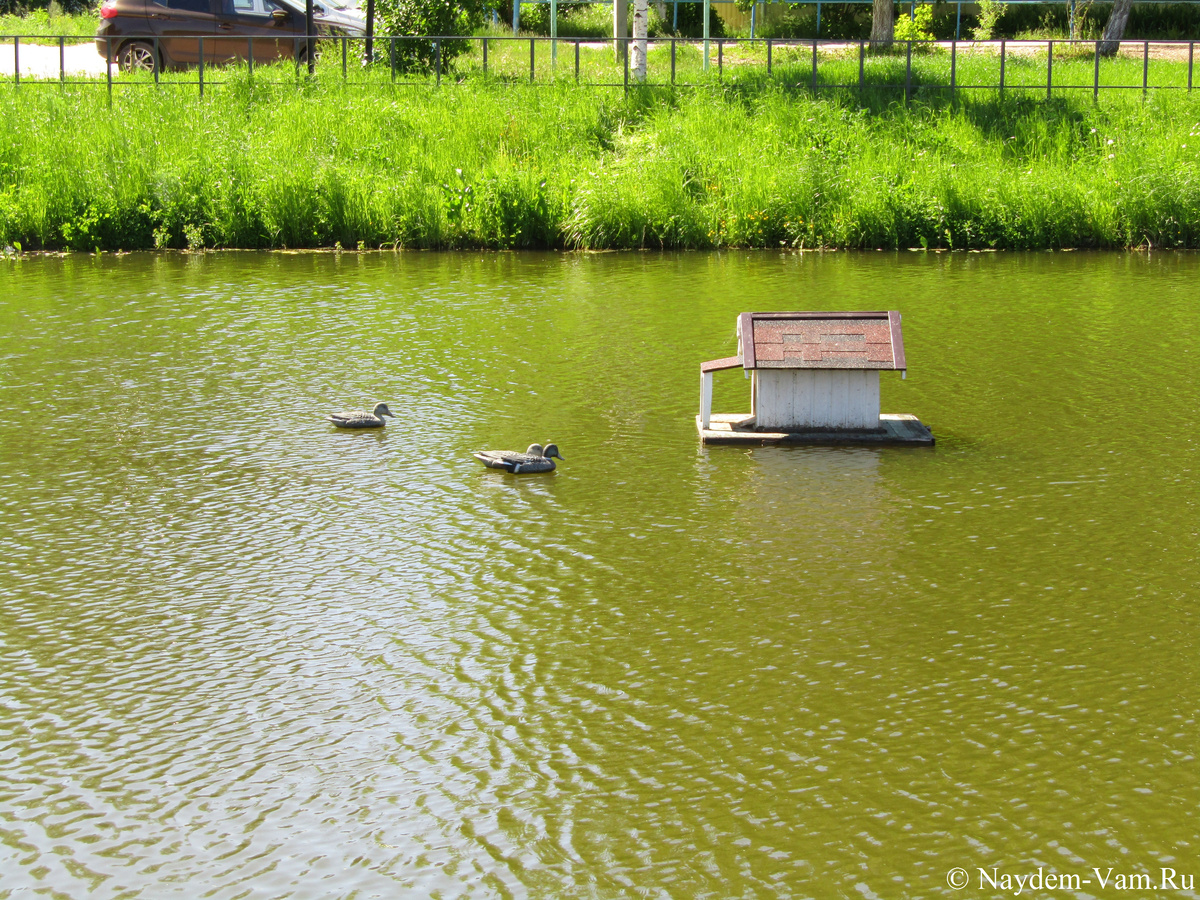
883,24
641,22
1115,28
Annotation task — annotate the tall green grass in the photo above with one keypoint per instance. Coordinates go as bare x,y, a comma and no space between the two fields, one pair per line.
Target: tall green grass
497,165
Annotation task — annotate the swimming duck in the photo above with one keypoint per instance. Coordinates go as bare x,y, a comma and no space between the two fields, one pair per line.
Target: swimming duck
360,418
535,459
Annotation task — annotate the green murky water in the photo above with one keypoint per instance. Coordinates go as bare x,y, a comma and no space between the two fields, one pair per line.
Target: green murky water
243,655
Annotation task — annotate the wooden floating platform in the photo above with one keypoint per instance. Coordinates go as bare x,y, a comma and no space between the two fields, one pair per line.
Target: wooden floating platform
739,429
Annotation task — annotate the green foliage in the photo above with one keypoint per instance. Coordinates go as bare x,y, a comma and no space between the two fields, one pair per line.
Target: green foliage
755,164
990,12
918,26
53,21
428,17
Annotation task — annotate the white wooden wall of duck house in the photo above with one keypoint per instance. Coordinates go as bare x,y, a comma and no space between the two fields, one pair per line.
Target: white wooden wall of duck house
812,370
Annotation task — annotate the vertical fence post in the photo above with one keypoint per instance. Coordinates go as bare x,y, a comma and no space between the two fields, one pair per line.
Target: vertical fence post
1096,77
577,62
1191,56
768,56
343,57
249,60
1001,68
953,69
200,48
908,73
672,60
392,57
1049,66
814,68
553,33
516,16
485,43
531,59
17,60
720,58
862,55
753,17
62,60
1145,68
437,61
958,23
108,67
625,57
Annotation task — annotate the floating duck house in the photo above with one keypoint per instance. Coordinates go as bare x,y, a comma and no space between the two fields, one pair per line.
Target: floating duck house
814,378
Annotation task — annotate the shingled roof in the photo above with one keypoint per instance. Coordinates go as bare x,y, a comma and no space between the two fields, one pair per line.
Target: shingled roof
820,340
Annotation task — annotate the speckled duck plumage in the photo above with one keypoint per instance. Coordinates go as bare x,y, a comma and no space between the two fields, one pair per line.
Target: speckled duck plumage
360,418
535,459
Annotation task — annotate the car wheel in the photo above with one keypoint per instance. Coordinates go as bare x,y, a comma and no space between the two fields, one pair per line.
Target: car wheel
137,56
303,54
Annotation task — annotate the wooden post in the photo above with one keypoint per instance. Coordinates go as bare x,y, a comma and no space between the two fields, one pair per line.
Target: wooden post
705,399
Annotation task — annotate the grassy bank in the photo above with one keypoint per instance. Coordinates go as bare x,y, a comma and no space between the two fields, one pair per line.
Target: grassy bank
497,165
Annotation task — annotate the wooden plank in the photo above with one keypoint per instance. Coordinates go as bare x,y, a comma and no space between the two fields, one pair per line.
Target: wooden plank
897,340
746,336
717,365
896,430
706,381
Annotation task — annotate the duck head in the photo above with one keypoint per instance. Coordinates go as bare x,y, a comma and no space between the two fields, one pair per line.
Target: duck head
552,451
381,410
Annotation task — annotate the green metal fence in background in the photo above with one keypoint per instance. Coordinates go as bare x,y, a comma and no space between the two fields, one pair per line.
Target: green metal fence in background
946,67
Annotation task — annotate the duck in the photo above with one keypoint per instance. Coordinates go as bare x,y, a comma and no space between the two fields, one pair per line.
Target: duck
535,459
360,418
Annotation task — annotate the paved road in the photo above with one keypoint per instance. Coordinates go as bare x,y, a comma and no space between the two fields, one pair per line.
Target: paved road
42,61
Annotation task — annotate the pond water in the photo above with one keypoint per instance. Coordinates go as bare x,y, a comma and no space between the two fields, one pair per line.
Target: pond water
245,655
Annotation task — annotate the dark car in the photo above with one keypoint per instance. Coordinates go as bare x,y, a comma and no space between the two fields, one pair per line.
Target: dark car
156,34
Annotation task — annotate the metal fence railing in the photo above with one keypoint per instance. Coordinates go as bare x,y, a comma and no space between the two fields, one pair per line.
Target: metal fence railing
908,67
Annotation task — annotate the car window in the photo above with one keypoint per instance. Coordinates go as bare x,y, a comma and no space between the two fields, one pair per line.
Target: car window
196,6
240,6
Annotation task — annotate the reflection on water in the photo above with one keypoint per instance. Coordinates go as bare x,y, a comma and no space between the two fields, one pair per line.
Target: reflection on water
243,651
